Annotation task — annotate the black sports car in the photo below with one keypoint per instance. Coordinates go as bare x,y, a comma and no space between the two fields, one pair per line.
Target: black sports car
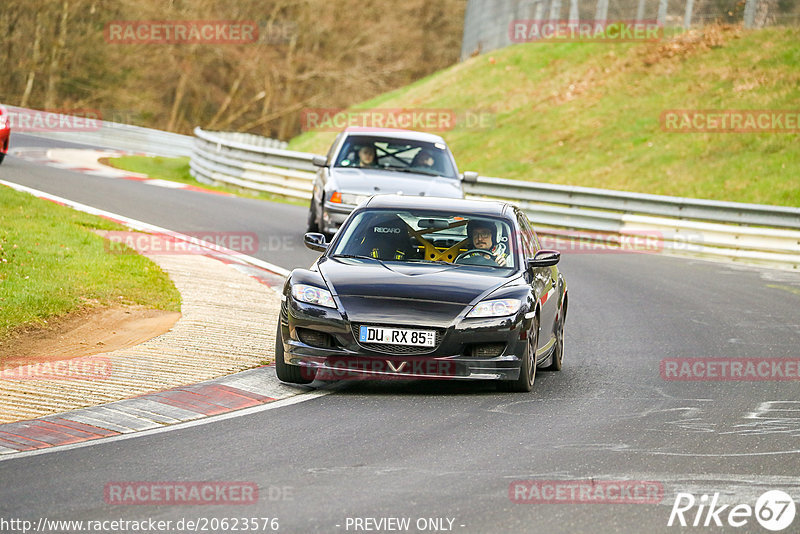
416,288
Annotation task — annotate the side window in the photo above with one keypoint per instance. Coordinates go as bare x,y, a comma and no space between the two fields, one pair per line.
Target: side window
534,238
526,235
536,243
333,147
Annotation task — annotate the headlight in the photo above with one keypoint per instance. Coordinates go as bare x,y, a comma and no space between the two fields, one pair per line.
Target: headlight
3,122
495,308
313,295
348,198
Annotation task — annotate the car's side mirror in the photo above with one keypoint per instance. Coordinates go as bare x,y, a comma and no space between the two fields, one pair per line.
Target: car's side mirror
319,161
544,258
470,177
315,241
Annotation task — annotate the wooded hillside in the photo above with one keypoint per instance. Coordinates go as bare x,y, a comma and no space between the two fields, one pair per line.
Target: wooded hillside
57,55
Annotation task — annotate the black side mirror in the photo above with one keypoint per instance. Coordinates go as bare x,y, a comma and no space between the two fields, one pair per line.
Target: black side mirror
544,258
470,177
319,161
315,241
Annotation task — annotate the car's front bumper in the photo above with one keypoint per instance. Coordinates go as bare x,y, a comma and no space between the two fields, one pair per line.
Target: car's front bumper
361,366
333,215
335,354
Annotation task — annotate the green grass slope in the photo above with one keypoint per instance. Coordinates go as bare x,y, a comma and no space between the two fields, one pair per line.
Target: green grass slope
52,263
589,114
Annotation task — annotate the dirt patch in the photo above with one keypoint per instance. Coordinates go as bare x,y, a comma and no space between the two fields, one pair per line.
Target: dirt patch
691,42
85,332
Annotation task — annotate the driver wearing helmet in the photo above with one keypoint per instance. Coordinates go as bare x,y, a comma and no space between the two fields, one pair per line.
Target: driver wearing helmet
482,236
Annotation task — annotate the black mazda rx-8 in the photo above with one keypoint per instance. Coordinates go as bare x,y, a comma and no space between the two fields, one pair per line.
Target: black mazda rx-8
425,288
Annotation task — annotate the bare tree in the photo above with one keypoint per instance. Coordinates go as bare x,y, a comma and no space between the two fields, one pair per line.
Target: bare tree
56,52
309,53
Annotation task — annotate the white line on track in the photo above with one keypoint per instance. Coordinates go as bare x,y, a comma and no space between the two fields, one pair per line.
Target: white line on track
302,397
146,227
139,225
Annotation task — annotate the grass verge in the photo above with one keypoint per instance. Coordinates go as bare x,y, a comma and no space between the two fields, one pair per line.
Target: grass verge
588,114
177,170
51,263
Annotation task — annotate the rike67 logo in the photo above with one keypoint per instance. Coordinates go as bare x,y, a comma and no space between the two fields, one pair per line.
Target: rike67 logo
774,510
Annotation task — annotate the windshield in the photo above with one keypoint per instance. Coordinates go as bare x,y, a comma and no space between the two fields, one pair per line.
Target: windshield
413,236
401,155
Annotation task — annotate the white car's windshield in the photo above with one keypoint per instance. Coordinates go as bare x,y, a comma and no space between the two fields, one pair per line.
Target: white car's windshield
400,155
428,236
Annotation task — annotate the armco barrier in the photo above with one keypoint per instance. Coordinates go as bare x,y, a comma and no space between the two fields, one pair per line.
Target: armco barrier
751,233
114,135
258,164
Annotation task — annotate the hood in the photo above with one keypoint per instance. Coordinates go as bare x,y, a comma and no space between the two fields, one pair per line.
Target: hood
402,293
377,182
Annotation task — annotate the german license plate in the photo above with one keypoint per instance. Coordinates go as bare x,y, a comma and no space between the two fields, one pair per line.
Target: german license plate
397,336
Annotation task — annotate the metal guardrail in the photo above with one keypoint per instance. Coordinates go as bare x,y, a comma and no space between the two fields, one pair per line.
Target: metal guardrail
226,158
748,232
105,134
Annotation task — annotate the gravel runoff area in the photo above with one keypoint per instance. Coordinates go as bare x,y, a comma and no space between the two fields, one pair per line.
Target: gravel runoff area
227,325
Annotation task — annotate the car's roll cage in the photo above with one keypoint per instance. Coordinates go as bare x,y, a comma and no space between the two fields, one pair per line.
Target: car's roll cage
383,153
429,250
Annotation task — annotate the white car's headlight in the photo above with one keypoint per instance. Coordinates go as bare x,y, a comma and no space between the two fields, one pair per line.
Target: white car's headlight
313,295
495,308
355,200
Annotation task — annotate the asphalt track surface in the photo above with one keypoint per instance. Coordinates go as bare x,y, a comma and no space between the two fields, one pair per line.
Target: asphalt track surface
451,450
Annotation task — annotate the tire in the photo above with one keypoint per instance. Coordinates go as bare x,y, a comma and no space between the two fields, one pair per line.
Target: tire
557,359
527,372
312,218
290,373
2,157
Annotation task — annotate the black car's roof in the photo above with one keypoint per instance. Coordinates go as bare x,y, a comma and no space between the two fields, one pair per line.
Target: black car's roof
461,206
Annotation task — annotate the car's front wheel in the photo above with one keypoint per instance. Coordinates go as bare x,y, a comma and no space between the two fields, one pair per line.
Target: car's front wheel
527,371
289,373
